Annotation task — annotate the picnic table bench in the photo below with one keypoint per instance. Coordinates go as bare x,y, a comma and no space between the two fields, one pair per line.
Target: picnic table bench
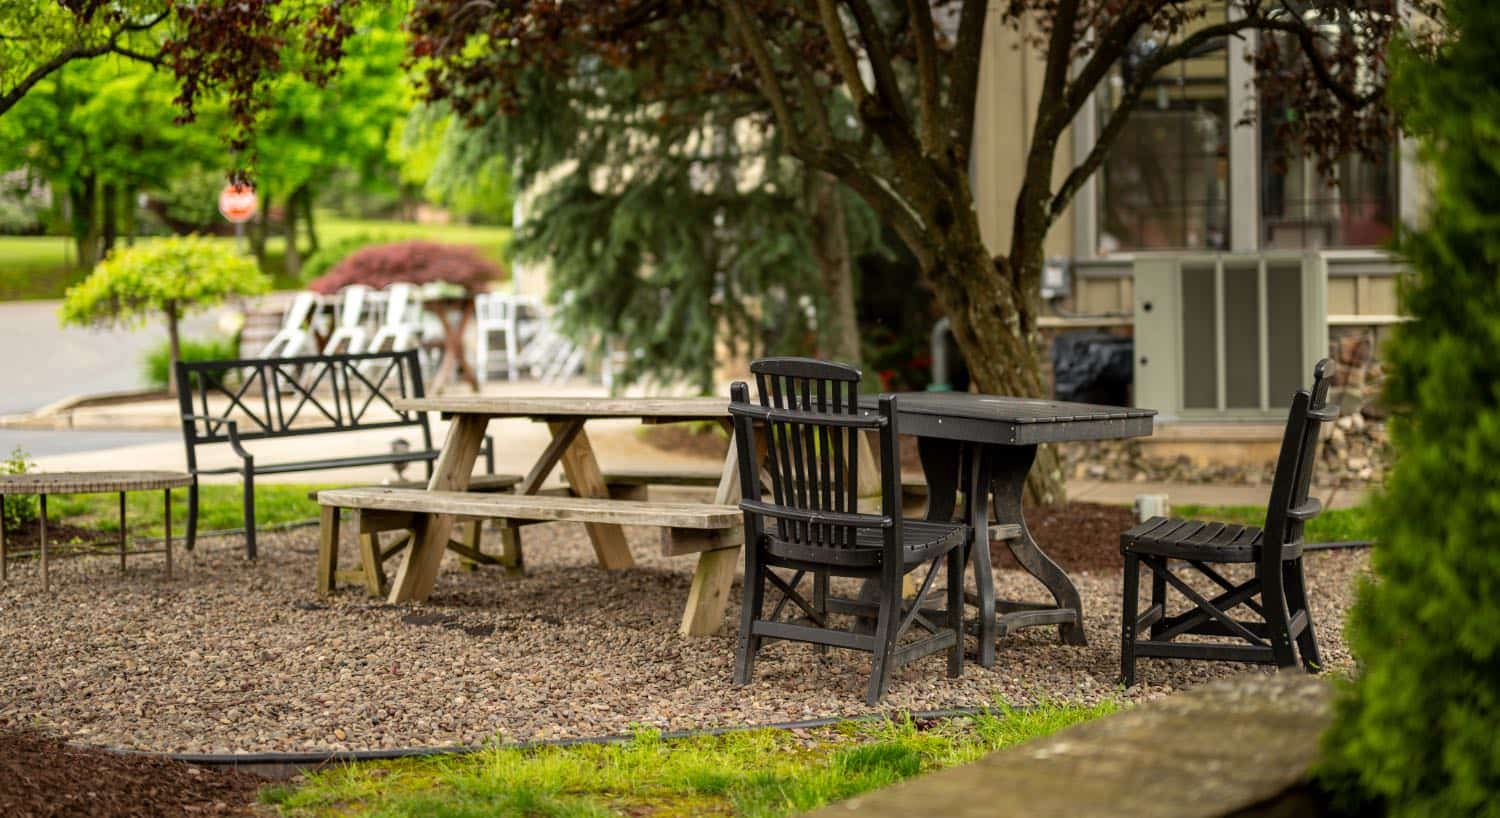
710,530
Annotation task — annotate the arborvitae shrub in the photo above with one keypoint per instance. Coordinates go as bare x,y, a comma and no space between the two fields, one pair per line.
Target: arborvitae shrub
1419,729
415,262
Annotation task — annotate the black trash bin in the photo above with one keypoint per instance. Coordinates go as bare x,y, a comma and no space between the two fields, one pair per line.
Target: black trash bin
1093,367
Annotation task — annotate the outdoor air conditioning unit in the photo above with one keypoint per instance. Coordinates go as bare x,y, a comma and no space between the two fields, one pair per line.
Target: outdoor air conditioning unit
1227,336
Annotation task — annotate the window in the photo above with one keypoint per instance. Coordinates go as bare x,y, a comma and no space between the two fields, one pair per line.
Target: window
1165,185
1354,206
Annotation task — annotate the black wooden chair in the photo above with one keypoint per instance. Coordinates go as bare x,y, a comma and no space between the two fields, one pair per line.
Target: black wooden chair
809,413
1276,594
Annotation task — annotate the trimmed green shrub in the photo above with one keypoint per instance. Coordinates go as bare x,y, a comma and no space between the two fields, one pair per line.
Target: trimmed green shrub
1417,729
158,363
20,510
164,277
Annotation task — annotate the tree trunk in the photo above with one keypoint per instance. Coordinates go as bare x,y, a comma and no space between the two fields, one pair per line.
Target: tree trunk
994,322
174,344
128,215
259,229
838,329
293,258
307,218
83,197
109,207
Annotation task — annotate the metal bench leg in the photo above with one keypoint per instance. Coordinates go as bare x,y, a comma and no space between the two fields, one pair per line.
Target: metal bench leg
249,514
192,511
122,532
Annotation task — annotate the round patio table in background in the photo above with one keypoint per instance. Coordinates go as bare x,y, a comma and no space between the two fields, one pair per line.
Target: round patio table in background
90,482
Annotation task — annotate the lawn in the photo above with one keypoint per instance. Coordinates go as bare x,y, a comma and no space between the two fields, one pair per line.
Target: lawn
1333,525
759,773
41,266
219,509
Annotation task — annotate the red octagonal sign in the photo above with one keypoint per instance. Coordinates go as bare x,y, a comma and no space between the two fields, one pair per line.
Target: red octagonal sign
237,202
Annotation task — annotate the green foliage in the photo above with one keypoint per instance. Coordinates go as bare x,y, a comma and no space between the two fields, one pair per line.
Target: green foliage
20,510
332,252
759,773
163,277
158,364
1417,728
675,229
219,509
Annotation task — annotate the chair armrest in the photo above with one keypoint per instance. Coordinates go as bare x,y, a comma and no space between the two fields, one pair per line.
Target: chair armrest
232,426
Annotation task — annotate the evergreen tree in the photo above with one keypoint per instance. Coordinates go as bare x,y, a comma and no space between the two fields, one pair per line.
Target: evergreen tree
674,228
1418,728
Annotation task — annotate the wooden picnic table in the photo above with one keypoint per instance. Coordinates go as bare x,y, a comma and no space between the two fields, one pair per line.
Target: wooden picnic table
570,447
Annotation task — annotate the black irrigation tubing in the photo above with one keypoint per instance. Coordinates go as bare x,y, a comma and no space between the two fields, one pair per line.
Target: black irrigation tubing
1337,544
316,759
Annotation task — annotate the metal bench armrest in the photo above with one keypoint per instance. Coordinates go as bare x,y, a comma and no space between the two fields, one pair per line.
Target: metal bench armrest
230,425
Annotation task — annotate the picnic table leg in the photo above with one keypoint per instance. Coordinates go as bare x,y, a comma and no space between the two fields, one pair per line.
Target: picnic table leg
328,548
586,480
709,594
451,472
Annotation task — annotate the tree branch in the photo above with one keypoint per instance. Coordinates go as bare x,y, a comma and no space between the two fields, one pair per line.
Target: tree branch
755,43
929,89
963,74
870,32
843,56
9,99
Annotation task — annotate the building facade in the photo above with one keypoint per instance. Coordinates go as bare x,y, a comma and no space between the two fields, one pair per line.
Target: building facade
1199,179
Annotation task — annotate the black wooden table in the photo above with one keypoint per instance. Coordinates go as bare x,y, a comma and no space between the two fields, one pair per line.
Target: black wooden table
985,445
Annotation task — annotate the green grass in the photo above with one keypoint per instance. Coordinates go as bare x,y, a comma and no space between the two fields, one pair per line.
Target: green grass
1333,525
34,267
756,774
219,509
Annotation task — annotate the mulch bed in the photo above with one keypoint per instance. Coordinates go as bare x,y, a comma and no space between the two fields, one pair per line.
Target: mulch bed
1079,536
42,777
28,537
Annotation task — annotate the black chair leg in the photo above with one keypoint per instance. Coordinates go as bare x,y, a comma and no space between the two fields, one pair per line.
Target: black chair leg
956,611
1296,595
750,611
1129,616
1158,597
885,637
192,515
820,602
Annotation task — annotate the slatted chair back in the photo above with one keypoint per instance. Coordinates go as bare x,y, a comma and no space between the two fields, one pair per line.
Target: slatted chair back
1290,507
809,413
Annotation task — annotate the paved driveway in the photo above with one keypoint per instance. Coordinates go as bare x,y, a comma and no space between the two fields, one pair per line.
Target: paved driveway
42,362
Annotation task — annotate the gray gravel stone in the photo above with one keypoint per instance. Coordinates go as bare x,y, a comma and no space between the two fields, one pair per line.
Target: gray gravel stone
234,656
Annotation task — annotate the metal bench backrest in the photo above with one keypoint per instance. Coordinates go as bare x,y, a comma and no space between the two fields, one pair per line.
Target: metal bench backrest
284,397
1290,508
809,411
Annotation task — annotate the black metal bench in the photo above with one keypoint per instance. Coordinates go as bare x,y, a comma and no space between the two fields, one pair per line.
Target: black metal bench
234,402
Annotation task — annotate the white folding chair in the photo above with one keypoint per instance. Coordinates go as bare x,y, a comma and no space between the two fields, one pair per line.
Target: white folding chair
402,328
350,336
495,313
293,337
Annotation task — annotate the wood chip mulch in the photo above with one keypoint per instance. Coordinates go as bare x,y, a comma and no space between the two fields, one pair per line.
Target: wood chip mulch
1078,536
41,777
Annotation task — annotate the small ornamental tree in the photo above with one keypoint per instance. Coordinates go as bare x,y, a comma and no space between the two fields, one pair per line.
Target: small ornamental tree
1417,729
414,262
164,278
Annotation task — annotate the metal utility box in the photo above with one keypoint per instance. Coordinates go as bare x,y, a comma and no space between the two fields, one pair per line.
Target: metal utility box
1227,336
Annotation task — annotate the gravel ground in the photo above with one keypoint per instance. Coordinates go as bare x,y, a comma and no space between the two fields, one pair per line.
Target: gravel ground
231,656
